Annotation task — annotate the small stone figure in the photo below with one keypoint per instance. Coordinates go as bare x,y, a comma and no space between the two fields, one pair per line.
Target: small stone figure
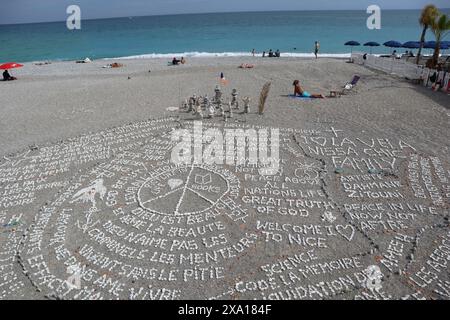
206,102
198,108
184,106
230,110
212,110
221,111
234,100
190,104
194,104
246,101
218,95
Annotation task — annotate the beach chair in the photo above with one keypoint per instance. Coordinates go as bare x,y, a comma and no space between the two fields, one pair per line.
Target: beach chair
348,87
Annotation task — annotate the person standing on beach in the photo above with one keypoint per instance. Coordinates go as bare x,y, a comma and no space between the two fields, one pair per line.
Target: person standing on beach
253,52
316,49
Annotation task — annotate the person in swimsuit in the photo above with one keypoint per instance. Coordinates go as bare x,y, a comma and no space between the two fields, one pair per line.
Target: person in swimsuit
299,92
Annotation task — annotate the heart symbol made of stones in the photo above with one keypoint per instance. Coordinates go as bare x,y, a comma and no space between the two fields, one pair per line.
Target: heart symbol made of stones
347,231
173,183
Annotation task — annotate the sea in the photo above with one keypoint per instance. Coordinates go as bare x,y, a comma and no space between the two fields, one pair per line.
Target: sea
207,35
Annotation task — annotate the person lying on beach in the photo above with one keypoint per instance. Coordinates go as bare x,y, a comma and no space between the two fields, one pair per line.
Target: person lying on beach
42,63
87,60
246,66
299,92
114,65
7,76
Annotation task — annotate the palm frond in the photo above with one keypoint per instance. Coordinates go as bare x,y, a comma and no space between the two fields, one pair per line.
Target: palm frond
428,15
263,97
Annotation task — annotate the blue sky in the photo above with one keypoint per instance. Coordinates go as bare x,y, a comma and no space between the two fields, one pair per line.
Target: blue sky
26,11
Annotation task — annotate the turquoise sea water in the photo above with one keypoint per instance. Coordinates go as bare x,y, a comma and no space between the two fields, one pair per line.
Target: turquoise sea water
205,34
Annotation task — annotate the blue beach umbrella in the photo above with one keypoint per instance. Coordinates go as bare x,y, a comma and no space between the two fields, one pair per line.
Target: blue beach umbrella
432,45
371,44
352,44
411,45
447,44
393,44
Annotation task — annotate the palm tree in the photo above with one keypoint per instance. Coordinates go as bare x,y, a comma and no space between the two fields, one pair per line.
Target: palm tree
429,14
440,27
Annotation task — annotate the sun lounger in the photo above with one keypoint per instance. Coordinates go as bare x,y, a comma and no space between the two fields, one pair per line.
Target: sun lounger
347,88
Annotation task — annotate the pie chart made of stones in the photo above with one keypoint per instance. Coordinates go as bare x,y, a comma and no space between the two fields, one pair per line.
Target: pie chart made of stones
183,191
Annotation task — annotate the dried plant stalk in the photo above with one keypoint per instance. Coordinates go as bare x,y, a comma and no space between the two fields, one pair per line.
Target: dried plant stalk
263,97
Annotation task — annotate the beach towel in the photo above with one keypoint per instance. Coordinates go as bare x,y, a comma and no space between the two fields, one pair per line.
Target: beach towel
305,96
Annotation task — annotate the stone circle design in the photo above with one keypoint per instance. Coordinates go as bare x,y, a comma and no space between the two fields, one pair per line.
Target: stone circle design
109,216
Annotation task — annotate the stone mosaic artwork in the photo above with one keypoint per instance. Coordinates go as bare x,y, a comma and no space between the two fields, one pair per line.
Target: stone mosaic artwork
108,216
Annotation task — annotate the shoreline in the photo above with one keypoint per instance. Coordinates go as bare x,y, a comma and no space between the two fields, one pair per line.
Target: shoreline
200,55
196,54
209,55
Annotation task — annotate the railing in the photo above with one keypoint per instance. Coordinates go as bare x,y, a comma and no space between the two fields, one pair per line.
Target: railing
403,69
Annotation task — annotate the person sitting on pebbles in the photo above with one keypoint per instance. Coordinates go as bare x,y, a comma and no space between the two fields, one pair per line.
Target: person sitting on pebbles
299,92
175,61
7,76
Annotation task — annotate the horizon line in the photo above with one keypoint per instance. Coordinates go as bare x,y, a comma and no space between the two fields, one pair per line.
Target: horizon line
205,13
